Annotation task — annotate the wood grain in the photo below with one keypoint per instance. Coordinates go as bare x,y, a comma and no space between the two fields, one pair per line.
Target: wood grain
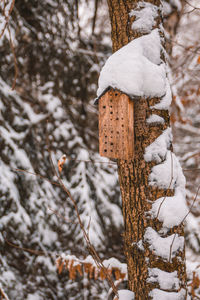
116,125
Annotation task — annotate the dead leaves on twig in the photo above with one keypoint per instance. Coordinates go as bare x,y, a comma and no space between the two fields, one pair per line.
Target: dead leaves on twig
195,284
61,162
75,268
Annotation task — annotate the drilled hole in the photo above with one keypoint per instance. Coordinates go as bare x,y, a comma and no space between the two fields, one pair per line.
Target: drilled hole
106,136
111,144
116,94
104,106
111,150
111,131
117,132
111,112
122,125
117,119
111,106
105,150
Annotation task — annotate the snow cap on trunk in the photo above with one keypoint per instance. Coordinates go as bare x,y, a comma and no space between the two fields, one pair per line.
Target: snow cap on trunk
125,295
136,69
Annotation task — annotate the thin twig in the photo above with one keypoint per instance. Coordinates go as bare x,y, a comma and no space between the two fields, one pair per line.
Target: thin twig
190,170
36,252
182,46
90,247
7,17
191,5
60,216
36,174
195,198
172,170
15,59
90,161
2,294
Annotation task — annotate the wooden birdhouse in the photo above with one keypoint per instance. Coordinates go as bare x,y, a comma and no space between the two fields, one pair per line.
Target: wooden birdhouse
116,125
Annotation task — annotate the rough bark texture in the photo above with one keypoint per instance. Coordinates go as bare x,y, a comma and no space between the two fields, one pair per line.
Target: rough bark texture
133,174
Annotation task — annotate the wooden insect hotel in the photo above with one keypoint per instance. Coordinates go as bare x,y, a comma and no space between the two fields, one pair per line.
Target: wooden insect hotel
116,125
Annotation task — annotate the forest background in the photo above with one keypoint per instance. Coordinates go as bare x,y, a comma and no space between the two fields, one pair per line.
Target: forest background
52,53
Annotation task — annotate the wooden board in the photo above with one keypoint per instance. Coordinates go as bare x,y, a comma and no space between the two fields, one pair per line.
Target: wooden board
116,125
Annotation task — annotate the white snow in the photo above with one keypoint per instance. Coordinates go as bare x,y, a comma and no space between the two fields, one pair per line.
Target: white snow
139,245
172,210
166,99
166,280
145,14
136,69
177,3
34,296
161,245
168,174
155,119
125,295
115,263
167,7
162,295
157,151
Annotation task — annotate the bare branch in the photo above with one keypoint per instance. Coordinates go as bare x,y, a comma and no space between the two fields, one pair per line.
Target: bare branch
6,14
194,7
36,252
14,57
172,170
195,198
36,174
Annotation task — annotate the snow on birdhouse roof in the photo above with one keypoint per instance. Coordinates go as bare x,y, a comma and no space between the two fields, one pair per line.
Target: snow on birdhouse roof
136,69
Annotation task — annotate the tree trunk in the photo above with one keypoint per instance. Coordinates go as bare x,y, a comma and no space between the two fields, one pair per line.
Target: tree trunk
137,194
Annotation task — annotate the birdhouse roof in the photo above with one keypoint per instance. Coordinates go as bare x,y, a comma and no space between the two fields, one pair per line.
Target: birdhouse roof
96,101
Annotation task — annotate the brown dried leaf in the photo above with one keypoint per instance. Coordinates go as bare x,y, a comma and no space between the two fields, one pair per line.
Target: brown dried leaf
66,264
102,274
60,268
61,162
79,269
58,262
117,274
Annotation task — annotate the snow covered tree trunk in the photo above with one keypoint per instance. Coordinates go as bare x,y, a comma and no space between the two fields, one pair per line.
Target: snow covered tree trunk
152,184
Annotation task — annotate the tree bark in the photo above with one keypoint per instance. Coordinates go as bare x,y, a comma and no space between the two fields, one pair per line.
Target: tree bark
137,195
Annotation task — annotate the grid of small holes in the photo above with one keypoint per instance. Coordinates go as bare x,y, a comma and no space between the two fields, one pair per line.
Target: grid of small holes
110,104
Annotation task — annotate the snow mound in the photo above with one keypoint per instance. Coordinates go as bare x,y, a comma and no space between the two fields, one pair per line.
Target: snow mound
145,14
166,280
125,295
157,151
162,295
161,245
136,69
